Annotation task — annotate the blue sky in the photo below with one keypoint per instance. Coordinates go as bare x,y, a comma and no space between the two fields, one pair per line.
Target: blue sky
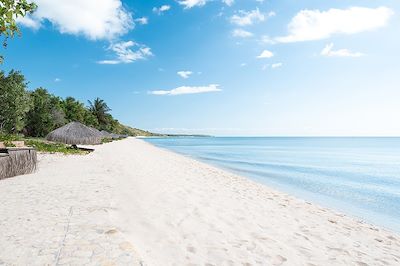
243,67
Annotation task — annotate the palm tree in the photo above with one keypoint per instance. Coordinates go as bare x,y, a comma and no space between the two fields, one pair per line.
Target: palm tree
99,109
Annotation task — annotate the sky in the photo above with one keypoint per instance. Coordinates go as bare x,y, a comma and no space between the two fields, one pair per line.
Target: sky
222,67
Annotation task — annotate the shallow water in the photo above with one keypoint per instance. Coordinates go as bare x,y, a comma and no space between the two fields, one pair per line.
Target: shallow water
358,176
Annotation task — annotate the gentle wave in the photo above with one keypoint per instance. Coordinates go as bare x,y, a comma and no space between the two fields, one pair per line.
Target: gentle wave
360,176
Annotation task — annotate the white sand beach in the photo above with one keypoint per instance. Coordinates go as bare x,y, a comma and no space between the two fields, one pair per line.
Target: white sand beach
130,203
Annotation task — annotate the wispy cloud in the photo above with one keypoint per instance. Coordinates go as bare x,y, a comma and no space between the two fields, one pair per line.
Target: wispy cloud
142,20
265,54
310,25
187,4
30,22
125,53
241,33
328,51
276,65
246,18
161,9
94,19
57,80
188,90
192,3
228,2
184,74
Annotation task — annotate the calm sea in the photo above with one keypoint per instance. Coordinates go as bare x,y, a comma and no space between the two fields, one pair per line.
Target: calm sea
357,176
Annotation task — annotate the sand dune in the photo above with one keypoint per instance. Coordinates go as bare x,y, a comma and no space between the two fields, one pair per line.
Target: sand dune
151,206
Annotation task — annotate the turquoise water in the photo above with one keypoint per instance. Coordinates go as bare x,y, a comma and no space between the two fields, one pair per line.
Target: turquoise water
357,176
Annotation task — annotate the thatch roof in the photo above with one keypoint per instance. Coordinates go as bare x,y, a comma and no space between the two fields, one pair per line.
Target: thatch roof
75,133
106,134
17,161
95,130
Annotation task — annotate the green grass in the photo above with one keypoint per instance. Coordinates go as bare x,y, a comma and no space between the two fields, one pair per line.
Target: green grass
9,138
51,147
106,140
39,144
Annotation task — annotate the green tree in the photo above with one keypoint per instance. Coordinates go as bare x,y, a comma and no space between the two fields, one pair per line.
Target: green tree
45,115
76,111
10,10
90,119
100,110
14,102
73,109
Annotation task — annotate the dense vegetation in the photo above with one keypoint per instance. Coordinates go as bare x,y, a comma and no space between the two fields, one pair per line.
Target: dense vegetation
36,113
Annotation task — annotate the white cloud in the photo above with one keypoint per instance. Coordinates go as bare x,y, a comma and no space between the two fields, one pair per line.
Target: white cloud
228,2
161,9
94,19
241,33
276,65
188,90
126,54
327,51
272,66
245,18
185,74
266,54
142,20
29,22
109,62
57,80
192,3
310,25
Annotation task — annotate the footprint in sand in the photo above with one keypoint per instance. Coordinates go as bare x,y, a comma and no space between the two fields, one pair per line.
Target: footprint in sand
278,260
191,249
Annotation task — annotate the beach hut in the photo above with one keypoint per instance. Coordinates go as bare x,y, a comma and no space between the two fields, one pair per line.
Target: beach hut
74,134
17,161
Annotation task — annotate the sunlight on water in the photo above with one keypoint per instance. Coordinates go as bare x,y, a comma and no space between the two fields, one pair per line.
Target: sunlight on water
358,176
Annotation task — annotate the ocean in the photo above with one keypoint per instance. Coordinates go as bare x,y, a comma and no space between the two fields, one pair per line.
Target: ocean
357,176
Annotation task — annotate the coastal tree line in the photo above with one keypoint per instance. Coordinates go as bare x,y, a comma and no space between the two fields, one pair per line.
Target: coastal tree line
38,112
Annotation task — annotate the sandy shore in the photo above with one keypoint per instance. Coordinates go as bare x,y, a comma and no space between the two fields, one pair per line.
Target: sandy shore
130,203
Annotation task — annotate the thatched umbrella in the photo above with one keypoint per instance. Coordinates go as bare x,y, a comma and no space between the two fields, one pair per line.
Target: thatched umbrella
96,131
75,133
112,135
106,134
115,136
